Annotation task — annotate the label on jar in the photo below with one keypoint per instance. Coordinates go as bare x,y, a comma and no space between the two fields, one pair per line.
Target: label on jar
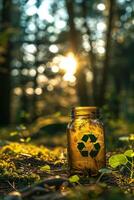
83,145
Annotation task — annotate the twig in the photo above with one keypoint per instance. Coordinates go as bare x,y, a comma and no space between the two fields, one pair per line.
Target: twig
12,185
99,178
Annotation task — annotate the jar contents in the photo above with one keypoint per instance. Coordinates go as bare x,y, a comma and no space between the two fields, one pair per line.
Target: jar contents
86,145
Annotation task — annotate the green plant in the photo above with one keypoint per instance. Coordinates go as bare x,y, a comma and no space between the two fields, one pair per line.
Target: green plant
45,168
128,139
74,179
126,159
21,133
103,171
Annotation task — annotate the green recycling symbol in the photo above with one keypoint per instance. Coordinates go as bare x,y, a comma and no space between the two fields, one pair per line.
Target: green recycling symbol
82,145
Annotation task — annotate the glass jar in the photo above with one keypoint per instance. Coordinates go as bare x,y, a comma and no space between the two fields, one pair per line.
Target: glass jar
86,144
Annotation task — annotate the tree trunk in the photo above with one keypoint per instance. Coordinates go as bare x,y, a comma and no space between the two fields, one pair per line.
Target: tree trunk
81,85
117,91
35,97
91,54
5,69
104,82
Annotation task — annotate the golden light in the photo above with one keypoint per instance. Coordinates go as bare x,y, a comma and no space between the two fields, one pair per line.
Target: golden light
24,72
101,50
32,72
55,69
69,77
89,76
50,88
101,26
15,72
38,91
41,79
69,64
29,91
53,48
17,91
41,69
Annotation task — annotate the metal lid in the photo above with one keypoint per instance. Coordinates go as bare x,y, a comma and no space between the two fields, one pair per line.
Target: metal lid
85,110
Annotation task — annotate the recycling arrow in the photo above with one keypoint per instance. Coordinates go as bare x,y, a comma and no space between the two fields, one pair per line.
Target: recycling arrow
82,145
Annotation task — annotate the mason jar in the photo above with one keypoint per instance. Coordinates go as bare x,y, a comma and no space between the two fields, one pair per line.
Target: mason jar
86,143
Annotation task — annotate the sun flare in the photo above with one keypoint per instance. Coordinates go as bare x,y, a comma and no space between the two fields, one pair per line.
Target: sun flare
69,64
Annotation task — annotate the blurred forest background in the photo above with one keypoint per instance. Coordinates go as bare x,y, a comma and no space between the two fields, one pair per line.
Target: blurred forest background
59,54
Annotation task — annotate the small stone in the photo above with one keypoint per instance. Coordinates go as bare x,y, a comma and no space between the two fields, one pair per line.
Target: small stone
13,196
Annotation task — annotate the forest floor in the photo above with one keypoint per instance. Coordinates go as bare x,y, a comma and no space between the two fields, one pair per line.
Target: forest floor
36,169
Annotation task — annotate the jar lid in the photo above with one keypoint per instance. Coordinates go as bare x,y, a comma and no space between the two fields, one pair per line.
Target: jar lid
85,110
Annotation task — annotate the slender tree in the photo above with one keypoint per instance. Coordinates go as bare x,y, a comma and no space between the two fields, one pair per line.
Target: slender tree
92,56
5,66
105,70
81,85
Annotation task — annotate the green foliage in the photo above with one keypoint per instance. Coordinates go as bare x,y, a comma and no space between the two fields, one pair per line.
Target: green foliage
97,192
129,138
21,133
14,133
129,153
125,159
105,170
19,161
120,133
24,162
45,168
74,179
117,160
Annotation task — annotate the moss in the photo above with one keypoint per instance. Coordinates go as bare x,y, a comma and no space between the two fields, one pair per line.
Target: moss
22,161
